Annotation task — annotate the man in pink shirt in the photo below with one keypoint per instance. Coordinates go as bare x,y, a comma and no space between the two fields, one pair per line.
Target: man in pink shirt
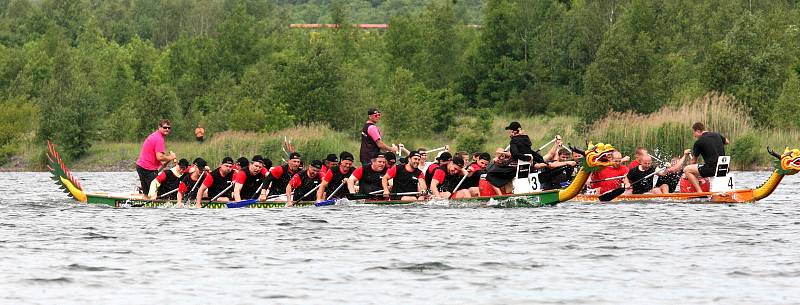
153,155
371,138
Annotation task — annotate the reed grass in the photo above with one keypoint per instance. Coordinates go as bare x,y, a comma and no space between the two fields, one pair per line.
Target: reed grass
667,130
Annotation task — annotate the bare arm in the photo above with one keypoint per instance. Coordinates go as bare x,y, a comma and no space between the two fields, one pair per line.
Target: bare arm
385,147
321,190
351,185
200,191
289,195
435,188
385,184
237,192
164,158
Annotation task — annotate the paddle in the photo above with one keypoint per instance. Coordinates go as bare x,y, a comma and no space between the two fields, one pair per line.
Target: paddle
610,195
457,186
223,192
167,193
188,198
446,147
240,204
354,196
306,195
336,190
606,179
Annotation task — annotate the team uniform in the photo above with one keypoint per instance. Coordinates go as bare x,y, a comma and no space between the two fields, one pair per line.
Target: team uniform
165,182
404,181
710,145
368,179
216,183
334,177
447,182
280,177
605,173
250,183
302,184
643,186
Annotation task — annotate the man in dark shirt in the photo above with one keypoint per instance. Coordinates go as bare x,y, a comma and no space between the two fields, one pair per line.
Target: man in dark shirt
709,145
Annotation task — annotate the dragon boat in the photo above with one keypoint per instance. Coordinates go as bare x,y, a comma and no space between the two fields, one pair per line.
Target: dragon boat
786,164
595,158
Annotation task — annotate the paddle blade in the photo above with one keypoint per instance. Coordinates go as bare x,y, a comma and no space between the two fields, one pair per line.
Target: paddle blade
610,195
326,202
241,204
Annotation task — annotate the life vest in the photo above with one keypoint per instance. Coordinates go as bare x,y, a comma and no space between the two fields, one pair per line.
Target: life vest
279,185
450,181
220,183
474,180
404,182
368,146
370,180
170,183
189,183
336,180
251,184
429,174
306,185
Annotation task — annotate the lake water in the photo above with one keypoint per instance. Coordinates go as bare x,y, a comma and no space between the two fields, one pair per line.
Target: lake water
57,252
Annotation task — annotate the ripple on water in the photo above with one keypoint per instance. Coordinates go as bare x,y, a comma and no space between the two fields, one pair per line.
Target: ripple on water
79,267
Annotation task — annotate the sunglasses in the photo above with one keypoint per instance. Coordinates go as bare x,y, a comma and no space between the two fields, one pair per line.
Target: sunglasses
167,127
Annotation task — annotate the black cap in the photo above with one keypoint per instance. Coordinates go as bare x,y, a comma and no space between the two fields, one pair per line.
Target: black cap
403,160
227,160
316,164
373,110
484,156
267,163
346,156
200,163
515,126
257,158
459,162
411,154
331,158
378,155
294,155
445,156
183,163
390,156
243,162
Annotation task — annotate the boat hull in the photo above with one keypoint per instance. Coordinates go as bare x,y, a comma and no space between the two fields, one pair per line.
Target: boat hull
535,199
738,196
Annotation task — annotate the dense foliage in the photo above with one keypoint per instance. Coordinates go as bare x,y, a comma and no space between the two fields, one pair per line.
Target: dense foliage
88,71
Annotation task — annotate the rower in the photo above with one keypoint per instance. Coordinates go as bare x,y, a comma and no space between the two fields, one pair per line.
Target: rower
709,145
335,177
368,176
519,150
216,182
668,183
168,181
279,176
558,171
248,180
610,178
476,169
329,162
442,160
188,186
640,152
406,178
371,138
391,160
643,176
304,183
446,179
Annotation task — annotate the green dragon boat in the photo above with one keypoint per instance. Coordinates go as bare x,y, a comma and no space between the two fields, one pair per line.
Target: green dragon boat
594,159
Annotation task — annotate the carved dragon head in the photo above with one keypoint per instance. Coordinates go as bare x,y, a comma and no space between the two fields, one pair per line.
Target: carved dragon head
596,157
788,163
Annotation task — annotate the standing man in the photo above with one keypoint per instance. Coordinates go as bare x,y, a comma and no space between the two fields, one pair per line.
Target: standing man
710,145
199,133
153,156
371,138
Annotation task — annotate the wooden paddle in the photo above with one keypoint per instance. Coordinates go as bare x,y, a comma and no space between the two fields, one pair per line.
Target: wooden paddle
610,195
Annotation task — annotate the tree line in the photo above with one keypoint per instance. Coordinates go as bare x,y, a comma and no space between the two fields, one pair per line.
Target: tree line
80,71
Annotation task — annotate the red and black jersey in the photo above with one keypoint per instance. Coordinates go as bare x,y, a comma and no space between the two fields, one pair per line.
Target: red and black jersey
335,177
168,182
280,177
302,184
368,179
250,183
216,183
404,181
447,182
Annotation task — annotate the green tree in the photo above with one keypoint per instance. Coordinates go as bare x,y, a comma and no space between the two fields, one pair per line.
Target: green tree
788,103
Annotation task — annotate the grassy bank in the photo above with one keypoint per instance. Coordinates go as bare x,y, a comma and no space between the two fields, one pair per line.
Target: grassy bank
668,131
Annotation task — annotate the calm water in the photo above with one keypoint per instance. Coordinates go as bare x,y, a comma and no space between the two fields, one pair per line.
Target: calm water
53,251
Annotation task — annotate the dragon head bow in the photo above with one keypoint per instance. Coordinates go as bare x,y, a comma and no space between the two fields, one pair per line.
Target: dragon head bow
597,156
788,163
